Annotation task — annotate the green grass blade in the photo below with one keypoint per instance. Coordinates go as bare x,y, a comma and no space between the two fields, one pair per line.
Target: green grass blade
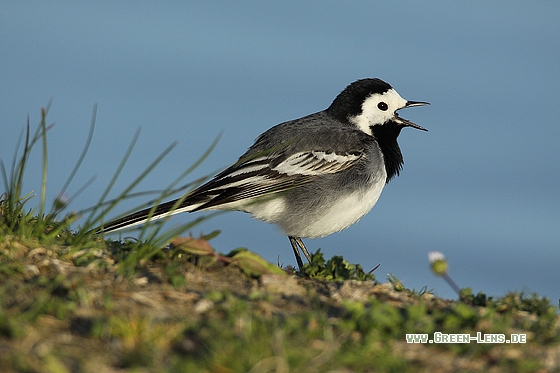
43,136
89,138
95,219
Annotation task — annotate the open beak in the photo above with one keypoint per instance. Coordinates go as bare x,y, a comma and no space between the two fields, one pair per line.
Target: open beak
407,123
415,103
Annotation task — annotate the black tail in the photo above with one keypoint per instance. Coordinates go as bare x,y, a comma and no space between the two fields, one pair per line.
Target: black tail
140,217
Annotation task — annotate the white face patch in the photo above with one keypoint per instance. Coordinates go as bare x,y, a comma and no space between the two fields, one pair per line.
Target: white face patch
378,109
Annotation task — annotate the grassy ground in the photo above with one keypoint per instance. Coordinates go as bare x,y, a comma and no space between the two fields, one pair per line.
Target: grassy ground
71,301
63,310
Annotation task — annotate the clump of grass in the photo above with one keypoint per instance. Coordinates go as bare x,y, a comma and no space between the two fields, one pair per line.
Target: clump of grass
14,217
18,219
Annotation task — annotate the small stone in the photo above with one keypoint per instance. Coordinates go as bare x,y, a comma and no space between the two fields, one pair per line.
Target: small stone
141,281
285,285
30,271
203,305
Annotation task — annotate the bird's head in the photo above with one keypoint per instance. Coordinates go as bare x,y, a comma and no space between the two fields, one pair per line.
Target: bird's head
372,102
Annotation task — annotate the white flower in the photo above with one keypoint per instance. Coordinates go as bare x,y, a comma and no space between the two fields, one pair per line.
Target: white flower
438,263
434,256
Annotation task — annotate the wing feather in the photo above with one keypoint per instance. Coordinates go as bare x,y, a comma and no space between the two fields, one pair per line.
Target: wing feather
262,176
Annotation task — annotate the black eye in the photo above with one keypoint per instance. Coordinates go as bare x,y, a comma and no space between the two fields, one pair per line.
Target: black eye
382,106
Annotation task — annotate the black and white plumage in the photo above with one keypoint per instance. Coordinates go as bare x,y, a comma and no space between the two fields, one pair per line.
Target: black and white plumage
311,176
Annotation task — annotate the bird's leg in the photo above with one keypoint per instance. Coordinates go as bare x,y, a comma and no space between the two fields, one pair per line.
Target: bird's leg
294,242
297,244
303,249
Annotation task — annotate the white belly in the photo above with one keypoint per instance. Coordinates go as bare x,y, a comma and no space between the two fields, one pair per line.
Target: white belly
346,211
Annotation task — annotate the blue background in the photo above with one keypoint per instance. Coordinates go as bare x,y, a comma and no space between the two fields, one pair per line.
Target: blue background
482,186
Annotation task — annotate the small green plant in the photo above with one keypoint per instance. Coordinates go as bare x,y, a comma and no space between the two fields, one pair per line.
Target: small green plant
335,269
395,282
478,299
520,301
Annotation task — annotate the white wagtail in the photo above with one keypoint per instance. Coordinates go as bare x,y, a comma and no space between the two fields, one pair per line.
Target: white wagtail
311,176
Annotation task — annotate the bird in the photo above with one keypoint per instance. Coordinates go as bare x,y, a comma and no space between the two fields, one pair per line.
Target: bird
311,176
